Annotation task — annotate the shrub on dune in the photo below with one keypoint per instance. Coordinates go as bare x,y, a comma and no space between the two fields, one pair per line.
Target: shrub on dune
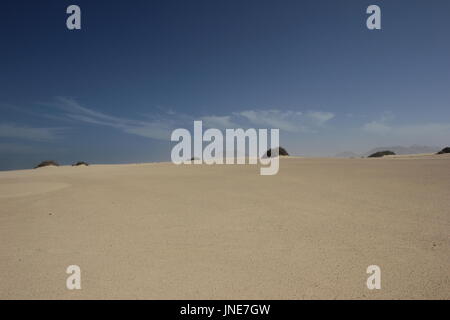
380,154
281,152
80,163
47,163
445,150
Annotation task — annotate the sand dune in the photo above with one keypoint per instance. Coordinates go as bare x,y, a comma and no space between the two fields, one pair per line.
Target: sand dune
22,189
160,231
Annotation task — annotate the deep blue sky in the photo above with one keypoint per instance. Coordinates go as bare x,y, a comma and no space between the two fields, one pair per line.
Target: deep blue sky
113,91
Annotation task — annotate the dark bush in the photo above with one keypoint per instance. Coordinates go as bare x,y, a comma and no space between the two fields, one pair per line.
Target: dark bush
281,152
380,154
80,163
47,163
445,150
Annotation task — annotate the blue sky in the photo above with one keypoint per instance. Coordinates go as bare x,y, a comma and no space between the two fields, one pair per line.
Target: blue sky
113,91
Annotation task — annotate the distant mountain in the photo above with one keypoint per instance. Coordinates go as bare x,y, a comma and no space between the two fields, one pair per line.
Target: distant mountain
347,154
414,149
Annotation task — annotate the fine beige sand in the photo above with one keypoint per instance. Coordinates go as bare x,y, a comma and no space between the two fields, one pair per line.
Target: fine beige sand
160,231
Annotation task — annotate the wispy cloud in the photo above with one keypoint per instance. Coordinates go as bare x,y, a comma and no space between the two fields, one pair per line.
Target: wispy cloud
157,129
10,130
159,126
380,126
220,122
284,120
14,148
377,127
319,117
287,120
434,133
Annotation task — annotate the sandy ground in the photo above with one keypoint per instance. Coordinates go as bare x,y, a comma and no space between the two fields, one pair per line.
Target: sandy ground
160,231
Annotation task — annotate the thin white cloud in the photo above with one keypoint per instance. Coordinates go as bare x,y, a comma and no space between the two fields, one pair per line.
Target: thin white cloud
156,129
8,130
153,130
285,120
220,122
160,126
320,117
376,127
441,129
380,126
423,133
13,148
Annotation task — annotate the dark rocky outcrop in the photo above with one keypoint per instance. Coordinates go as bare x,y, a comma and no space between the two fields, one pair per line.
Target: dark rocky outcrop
400,150
445,150
281,152
80,163
47,163
380,154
